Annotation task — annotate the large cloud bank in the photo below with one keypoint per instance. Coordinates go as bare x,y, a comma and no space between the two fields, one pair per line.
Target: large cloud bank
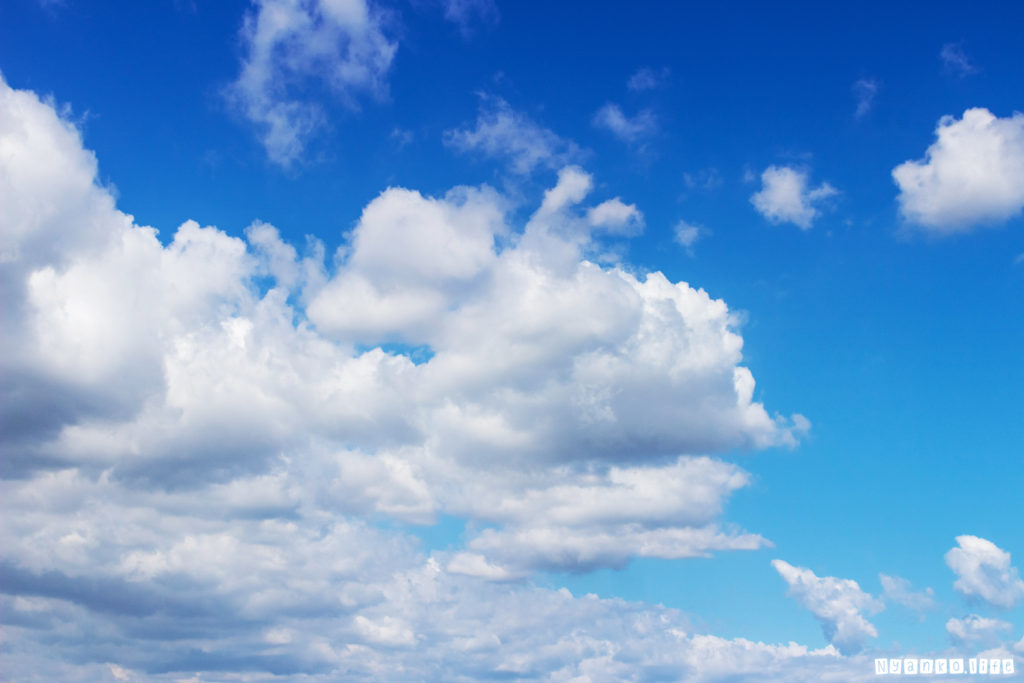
206,439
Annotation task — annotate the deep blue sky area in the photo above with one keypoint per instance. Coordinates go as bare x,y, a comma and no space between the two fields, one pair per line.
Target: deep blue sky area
897,332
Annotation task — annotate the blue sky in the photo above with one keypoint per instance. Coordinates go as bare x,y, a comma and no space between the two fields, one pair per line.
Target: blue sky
455,305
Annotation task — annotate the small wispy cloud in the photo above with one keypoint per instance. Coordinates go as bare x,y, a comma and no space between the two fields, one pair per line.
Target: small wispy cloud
704,180
629,129
503,132
343,48
468,15
955,60
899,590
688,234
646,78
864,91
976,629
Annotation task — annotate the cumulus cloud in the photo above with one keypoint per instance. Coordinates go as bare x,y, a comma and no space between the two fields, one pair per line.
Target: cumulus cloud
972,175
984,571
288,44
202,434
647,78
785,197
502,132
631,129
836,603
616,217
899,590
974,629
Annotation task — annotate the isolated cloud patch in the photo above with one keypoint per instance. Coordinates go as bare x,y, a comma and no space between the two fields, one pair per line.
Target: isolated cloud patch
972,175
688,234
836,603
984,571
290,44
864,90
647,78
785,197
899,590
955,61
504,133
631,129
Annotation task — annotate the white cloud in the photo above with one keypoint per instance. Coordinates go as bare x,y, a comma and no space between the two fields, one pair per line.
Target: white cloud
973,174
35,231
984,571
633,129
900,591
865,90
197,458
616,217
955,60
339,44
646,78
973,628
574,184
836,603
785,197
418,622
164,367
687,235
502,132
468,14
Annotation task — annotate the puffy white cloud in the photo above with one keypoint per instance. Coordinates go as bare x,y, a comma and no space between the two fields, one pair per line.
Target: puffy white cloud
984,571
633,129
785,197
38,204
386,292
503,132
338,43
972,175
900,591
204,433
836,603
617,217
974,628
